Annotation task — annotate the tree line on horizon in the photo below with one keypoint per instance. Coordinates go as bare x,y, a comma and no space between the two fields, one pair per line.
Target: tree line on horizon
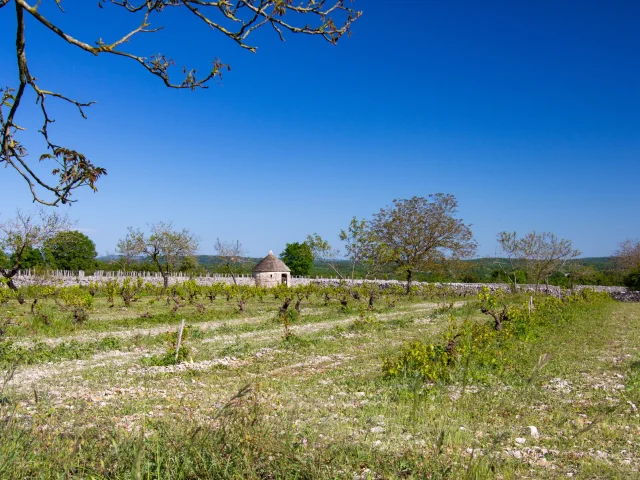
416,239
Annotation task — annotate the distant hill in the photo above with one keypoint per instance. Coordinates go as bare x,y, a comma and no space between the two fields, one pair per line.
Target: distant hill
481,270
216,261
599,263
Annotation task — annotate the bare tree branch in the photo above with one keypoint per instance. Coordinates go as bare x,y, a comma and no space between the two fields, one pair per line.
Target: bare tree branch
234,19
232,254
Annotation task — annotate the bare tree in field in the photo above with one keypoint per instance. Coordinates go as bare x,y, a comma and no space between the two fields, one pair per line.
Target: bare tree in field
422,233
165,246
537,254
234,19
121,260
627,256
23,232
232,254
320,248
363,249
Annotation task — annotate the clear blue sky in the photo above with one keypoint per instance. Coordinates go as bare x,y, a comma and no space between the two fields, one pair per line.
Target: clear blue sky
528,112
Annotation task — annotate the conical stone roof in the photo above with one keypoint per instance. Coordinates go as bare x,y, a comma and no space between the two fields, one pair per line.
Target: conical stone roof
270,263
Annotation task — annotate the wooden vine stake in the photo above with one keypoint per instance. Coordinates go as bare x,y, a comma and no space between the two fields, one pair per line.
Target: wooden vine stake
179,338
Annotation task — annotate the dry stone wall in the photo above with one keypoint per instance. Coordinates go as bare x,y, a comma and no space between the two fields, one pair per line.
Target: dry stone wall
627,296
474,288
79,278
66,278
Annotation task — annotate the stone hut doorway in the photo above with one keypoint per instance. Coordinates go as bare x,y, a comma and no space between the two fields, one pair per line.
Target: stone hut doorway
284,279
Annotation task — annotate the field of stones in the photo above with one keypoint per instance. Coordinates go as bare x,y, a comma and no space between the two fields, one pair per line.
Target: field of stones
316,381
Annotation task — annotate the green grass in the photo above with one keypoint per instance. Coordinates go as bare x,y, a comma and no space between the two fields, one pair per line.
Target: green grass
318,405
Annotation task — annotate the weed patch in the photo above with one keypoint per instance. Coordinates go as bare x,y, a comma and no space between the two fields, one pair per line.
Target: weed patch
480,351
42,352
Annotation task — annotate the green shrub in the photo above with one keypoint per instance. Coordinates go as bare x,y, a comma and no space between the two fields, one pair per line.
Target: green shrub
11,354
482,348
366,319
418,359
192,290
169,357
632,280
76,297
287,317
111,289
130,289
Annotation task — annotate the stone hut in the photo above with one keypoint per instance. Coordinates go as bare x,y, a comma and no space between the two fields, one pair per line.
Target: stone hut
271,271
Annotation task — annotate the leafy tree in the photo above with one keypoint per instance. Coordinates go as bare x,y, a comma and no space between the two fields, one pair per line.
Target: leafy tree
20,235
421,233
31,258
164,246
4,260
298,257
71,250
189,265
632,280
469,276
537,254
354,239
579,274
235,19
627,263
514,276
320,248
